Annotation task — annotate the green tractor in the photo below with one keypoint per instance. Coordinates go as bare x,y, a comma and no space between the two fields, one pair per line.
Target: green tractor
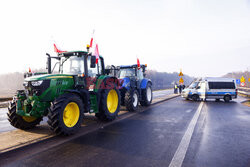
81,86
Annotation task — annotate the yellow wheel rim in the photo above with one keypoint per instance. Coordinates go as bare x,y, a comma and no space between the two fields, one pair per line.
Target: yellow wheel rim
112,101
29,119
71,114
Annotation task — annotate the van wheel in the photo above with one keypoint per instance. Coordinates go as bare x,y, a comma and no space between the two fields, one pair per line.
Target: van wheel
227,98
195,97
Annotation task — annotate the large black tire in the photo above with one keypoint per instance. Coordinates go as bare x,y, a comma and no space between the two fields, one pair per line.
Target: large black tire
122,98
146,97
66,114
195,97
131,100
21,122
227,98
109,106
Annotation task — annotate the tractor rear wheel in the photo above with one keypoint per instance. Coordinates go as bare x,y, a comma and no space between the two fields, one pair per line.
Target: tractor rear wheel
66,114
147,95
109,105
131,100
21,122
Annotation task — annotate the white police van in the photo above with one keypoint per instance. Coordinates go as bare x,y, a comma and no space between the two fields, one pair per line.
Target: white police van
211,88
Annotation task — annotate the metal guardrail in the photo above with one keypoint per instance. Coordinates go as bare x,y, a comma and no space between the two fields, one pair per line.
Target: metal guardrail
244,91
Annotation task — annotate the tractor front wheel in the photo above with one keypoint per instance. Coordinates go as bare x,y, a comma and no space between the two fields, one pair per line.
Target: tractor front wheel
147,95
66,114
109,105
131,100
21,122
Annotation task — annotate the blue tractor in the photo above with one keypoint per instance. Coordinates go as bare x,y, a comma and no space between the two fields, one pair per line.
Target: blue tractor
135,87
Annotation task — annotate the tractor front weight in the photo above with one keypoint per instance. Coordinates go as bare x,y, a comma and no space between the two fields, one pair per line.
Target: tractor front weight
31,106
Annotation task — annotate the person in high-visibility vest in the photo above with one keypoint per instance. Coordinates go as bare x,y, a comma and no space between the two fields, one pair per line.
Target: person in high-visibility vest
175,88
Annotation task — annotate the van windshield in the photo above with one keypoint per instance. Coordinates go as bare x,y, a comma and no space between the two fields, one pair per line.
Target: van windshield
193,85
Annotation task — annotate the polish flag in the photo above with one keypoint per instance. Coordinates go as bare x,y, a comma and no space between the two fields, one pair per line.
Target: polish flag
58,50
96,53
138,63
91,42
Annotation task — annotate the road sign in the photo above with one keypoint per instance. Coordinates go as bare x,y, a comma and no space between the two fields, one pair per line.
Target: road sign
242,84
237,81
181,81
242,79
180,74
248,79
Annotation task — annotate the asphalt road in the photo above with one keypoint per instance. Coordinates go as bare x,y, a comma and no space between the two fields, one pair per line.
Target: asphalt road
5,125
161,93
178,132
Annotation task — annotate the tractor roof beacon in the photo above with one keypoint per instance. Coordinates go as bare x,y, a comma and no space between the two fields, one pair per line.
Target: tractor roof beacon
81,86
135,87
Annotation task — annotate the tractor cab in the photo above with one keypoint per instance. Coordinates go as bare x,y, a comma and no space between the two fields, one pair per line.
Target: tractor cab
132,71
77,63
81,65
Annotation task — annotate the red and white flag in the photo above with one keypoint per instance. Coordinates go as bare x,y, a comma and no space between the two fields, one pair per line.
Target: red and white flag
96,53
91,40
57,50
138,63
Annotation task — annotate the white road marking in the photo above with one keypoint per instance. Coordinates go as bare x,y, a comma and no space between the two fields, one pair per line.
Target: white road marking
183,146
189,110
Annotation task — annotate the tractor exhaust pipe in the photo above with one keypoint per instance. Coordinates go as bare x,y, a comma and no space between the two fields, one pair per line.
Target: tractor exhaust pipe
48,63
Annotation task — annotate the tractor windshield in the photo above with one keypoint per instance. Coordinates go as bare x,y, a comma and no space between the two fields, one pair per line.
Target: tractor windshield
72,65
126,72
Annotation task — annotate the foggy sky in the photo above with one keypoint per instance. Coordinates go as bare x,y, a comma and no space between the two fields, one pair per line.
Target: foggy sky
202,37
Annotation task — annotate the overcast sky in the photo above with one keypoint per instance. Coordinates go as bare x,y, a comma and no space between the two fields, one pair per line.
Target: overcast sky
203,37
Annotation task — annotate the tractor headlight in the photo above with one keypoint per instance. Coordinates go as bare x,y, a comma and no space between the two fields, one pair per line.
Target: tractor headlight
25,84
36,83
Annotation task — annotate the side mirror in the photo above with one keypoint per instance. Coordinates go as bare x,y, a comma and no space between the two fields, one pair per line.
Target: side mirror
48,63
92,62
198,87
